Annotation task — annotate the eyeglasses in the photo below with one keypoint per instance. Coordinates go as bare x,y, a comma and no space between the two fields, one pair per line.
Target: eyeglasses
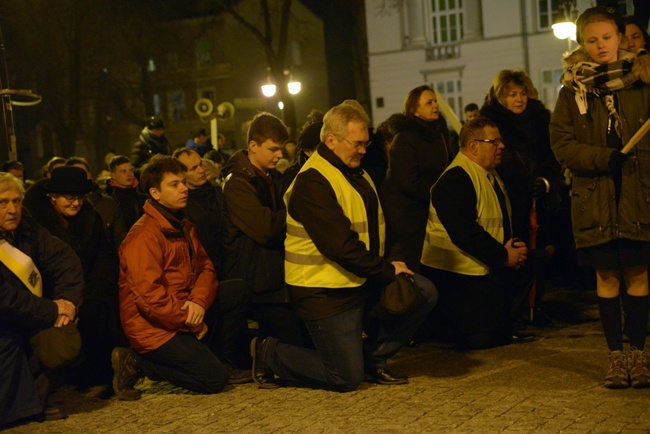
357,145
72,197
493,142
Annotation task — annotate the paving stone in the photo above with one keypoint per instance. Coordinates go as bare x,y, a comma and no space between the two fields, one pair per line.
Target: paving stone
552,385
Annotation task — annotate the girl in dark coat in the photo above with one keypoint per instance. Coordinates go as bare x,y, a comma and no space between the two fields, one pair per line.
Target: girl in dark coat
418,155
603,103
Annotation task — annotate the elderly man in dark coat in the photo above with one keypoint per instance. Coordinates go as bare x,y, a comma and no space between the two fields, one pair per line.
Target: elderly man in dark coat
41,284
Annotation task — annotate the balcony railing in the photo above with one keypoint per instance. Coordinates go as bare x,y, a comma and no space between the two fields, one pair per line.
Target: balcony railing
443,52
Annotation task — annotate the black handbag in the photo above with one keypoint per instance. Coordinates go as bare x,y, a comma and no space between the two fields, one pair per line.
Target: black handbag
401,296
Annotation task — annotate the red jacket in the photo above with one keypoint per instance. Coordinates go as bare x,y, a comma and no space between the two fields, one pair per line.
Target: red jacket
157,277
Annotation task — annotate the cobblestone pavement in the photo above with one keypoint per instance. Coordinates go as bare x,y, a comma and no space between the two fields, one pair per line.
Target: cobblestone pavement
551,385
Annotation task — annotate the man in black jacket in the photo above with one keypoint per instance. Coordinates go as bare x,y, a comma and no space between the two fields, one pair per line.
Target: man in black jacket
205,210
121,202
152,141
335,270
42,284
469,250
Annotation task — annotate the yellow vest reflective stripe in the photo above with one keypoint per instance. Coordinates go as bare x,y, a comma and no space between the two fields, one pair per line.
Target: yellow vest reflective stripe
304,265
439,251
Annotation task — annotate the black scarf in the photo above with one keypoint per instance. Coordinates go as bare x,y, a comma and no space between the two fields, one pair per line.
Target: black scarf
178,222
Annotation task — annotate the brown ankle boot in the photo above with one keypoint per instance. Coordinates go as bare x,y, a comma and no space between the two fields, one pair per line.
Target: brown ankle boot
639,374
617,374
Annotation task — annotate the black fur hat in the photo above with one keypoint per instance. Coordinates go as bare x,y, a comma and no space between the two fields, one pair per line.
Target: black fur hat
69,180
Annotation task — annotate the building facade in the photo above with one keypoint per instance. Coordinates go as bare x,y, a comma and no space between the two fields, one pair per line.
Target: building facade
459,46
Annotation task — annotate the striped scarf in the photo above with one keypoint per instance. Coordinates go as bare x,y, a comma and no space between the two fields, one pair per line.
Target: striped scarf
592,78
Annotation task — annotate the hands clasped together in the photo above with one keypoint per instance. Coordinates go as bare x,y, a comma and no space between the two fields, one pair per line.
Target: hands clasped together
66,311
195,314
517,253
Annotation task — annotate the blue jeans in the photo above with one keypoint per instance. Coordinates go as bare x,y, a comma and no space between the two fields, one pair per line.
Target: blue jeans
341,355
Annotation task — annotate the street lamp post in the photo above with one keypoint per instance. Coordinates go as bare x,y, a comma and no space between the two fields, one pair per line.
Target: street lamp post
293,87
567,29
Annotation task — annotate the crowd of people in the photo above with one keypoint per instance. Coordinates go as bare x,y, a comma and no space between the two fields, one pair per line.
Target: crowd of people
205,269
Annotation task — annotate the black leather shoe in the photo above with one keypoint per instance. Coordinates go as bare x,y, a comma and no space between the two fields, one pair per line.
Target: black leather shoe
518,338
383,376
238,376
125,374
53,413
262,375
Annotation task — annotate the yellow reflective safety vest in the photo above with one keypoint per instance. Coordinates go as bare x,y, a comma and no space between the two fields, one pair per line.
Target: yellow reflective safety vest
439,251
304,265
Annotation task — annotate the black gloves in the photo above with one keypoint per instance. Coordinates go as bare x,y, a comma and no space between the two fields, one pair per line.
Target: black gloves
540,187
616,160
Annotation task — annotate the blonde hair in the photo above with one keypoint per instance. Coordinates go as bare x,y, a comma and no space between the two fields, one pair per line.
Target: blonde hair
506,78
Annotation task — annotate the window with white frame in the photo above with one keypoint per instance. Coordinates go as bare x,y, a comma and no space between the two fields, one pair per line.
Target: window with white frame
451,92
550,86
548,12
445,21
552,11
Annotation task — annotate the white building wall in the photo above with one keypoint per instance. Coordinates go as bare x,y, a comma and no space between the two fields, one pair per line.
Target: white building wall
396,68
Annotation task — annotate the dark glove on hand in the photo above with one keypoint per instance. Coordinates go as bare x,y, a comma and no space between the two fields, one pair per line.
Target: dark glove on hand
539,188
616,160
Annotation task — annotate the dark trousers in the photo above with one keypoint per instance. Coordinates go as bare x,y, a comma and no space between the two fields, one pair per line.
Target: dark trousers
341,355
19,396
478,312
101,331
279,320
227,322
194,365
186,362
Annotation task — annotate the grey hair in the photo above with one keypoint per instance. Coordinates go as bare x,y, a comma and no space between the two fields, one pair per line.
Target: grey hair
10,182
337,118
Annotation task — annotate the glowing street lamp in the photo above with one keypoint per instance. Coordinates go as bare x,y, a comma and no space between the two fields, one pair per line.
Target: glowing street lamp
268,90
566,29
294,87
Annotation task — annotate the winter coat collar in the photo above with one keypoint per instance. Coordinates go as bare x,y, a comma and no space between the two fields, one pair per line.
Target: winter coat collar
240,165
335,161
428,131
502,116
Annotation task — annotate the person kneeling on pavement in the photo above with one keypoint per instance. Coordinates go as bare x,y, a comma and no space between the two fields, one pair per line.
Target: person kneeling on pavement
41,286
167,288
470,251
335,270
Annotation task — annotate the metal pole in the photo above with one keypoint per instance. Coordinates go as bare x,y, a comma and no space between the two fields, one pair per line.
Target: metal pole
7,112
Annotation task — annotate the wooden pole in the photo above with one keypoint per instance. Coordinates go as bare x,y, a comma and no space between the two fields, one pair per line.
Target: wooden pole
637,137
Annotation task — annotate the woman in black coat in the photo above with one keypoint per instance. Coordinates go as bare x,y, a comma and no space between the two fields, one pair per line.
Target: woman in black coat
528,168
59,204
418,155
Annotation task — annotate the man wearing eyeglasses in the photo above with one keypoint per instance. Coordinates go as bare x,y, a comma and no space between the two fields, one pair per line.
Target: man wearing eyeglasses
335,270
469,251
